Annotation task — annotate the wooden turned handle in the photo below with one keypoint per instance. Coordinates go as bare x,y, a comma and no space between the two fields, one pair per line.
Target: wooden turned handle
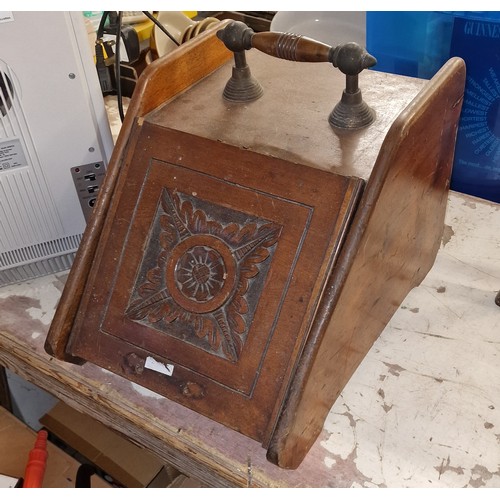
291,47
350,58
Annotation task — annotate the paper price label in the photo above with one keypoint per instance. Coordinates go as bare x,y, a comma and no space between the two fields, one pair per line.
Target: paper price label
157,366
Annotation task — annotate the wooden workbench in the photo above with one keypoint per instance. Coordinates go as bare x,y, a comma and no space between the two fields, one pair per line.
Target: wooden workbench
421,410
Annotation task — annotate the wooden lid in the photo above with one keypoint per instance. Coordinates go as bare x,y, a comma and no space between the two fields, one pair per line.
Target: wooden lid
290,120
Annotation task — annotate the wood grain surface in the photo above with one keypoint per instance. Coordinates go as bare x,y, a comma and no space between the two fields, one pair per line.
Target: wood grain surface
394,240
406,158
403,420
160,81
231,198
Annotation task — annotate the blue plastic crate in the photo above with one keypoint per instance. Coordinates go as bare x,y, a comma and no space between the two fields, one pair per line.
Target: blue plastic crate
417,44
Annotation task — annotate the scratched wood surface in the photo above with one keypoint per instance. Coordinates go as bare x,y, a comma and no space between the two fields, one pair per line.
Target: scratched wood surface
292,223
391,246
294,127
160,81
300,95
396,230
421,409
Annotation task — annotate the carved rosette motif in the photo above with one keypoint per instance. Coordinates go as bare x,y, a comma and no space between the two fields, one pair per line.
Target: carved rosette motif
202,273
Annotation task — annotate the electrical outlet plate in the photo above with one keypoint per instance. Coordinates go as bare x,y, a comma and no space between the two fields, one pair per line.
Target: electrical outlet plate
88,180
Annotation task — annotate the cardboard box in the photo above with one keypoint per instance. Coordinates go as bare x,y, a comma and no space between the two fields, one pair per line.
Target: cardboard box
183,481
127,463
17,440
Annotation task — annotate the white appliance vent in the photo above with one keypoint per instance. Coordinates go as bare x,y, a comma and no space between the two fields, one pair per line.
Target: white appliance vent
36,269
38,260
52,120
28,211
42,251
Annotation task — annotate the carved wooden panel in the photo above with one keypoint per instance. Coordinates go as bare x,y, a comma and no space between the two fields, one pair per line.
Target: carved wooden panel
212,263
263,341
202,273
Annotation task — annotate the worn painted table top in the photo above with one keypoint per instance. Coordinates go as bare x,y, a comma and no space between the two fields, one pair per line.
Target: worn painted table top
423,408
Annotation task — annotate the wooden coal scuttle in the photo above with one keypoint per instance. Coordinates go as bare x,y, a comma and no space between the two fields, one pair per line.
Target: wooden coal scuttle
251,244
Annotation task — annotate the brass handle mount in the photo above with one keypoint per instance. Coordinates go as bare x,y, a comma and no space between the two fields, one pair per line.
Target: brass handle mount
350,58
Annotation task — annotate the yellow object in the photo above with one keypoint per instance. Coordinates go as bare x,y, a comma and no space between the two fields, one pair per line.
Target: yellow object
144,30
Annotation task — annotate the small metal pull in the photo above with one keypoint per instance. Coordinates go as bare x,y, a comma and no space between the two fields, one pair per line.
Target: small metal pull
133,363
242,86
192,390
351,112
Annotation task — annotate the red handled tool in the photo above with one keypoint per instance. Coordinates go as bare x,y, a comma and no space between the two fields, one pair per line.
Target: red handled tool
35,468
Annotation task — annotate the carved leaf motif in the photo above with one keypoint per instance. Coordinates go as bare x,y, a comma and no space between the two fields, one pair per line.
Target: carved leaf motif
224,328
272,231
199,222
240,304
185,210
166,223
168,235
242,288
171,312
153,275
232,349
236,321
249,272
156,313
162,259
230,231
208,330
137,315
213,228
147,288
166,240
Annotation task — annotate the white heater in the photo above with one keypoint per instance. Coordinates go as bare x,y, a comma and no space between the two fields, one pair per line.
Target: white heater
55,141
